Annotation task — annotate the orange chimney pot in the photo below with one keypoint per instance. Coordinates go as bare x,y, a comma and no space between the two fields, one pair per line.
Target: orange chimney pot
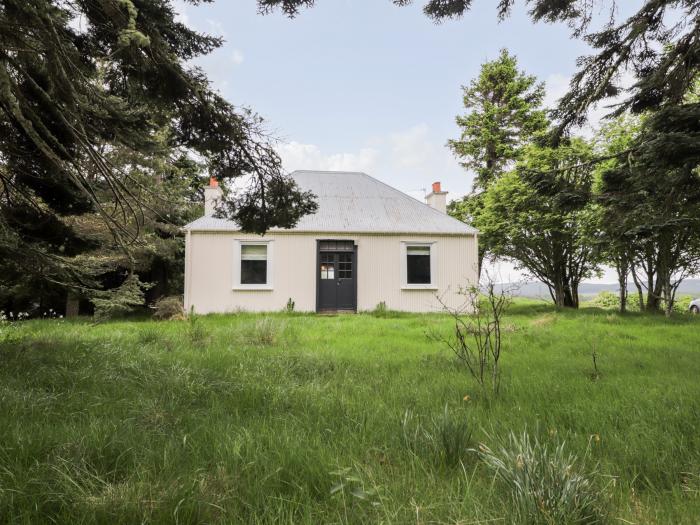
436,187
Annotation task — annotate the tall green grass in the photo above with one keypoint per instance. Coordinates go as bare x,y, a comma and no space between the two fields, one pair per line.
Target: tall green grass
349,419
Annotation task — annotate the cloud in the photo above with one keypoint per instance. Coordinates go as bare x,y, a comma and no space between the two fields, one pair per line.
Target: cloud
237,57
411,148
298,156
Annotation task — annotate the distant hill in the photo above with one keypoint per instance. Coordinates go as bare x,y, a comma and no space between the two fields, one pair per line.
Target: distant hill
537,290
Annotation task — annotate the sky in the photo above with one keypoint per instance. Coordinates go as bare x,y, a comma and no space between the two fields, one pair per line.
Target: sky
363,85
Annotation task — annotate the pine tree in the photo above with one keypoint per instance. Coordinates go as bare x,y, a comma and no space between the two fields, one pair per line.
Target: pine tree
83,81
503,114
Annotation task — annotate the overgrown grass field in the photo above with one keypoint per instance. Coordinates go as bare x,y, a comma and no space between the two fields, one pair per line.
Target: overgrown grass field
349,419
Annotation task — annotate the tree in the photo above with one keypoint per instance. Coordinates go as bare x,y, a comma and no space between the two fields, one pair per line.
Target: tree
617,248
650,201
84,82
503,113
71,93
536,215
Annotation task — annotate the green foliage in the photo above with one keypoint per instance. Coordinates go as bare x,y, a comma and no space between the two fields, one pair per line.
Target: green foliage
546,484
196,332
289,307
605,300
536,215
96,123
123,299
380,310
503,111
649,200
167,308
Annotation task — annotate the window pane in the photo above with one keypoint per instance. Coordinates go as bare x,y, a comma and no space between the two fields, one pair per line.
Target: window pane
253,272
327,271
418,250
418,264
254,252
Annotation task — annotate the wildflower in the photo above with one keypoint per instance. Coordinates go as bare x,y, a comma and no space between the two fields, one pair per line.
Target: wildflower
596,438
467,398
552,432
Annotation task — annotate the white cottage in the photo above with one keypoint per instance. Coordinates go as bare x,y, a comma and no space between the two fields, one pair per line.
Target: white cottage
368,243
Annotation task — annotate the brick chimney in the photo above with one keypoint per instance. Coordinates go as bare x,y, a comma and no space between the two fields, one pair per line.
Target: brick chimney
212,197
437,198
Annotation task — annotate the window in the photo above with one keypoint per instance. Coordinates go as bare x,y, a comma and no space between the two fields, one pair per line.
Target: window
252,265
337,246
327,266
418,264
344,266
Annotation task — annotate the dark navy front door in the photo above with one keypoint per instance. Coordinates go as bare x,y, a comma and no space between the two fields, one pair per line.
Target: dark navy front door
337,273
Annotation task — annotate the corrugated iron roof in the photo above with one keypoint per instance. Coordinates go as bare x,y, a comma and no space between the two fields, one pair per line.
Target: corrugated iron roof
355,202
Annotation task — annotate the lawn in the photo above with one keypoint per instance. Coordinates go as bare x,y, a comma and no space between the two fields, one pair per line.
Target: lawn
348,419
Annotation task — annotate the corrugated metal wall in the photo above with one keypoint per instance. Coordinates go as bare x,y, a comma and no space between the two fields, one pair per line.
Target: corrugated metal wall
209,283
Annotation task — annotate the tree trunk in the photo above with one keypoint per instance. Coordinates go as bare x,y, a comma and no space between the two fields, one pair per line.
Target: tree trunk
654,295
622,267
72,305
481,256
570,298
638,285
559,294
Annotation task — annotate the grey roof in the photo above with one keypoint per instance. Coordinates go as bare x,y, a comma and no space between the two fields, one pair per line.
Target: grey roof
357,203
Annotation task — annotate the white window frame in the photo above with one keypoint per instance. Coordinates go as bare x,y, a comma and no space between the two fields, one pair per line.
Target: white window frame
432,285
237,245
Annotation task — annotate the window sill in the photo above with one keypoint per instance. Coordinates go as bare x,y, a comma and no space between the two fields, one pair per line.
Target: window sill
253,287
419,287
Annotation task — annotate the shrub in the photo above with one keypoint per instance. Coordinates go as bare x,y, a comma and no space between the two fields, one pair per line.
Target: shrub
124,299
446,439
167,308
477,337
380,310
547,486
607,300
289,307
682,304
265,332
195,331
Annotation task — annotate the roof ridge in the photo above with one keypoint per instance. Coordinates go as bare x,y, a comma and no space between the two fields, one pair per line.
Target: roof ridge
337,172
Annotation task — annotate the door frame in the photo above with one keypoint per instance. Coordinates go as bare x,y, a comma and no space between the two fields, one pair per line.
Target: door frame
318,274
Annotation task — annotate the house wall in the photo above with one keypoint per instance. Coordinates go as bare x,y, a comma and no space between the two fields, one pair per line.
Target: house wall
209,272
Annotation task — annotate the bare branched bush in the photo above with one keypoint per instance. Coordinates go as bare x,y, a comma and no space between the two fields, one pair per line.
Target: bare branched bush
476,338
